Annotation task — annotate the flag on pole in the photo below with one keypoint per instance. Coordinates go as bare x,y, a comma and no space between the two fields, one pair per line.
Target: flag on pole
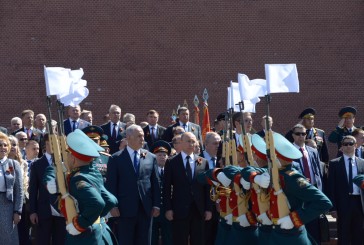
251,89
282,78
234,99
205,121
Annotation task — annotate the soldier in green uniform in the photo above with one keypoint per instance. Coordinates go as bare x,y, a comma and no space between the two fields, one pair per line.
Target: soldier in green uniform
306,202
95,133
345,127
85,184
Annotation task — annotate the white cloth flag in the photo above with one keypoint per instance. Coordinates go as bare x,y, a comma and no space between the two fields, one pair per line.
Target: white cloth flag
57,80
234,99
66,84
282,78
251,89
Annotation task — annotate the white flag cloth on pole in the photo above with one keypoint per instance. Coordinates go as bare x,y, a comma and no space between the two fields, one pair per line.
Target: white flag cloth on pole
251,89
66,84
57,80
282,78
234,99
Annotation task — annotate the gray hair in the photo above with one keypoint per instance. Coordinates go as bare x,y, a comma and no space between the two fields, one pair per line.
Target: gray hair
129,116
130,130
210,136
112,107
298,126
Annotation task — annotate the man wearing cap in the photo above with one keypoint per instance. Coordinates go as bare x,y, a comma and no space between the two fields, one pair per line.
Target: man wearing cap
306,201
114,128
345,127
131,177
188,205
219,124
153,132
345,196
161,226
95,133
43,206
87,188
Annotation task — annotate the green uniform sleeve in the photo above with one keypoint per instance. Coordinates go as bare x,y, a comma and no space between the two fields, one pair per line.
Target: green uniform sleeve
359,180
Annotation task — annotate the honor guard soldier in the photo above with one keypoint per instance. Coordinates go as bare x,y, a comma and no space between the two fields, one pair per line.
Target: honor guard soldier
95,133
161,225
85,184
345,127
318,135
305,201
221,195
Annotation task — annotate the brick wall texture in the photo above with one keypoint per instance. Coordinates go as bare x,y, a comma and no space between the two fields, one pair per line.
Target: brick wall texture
155,54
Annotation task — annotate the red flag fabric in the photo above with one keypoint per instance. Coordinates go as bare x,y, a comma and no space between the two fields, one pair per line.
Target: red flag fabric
205,121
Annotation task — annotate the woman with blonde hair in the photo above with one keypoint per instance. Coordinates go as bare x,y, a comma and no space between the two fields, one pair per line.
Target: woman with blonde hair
11,193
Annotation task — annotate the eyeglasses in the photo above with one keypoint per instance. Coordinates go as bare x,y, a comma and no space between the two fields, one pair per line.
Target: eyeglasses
3,145
23,139
300,134
348,143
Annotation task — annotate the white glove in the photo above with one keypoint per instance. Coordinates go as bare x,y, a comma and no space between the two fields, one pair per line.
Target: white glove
245,184
285,223
341,123
215,183
262,180
229,219
243,221
225,181
263,218
52,186
72,229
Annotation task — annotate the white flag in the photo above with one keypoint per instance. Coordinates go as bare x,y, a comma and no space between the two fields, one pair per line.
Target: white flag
251,89
57,80
234,99
282,78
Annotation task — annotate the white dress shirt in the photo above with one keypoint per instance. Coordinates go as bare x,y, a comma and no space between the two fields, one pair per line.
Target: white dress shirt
192,161
356,190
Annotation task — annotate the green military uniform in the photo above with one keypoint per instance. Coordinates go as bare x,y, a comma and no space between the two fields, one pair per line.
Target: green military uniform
224,227
239,198
359,181
94,201
100,163
337,135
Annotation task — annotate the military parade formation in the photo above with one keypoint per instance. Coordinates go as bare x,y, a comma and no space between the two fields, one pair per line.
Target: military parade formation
72,182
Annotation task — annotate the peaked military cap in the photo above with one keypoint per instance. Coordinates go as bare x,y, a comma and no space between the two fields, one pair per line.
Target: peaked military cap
285,149
259,147
94,132
347,112
103,140
161,146
220,117
82,147
307,113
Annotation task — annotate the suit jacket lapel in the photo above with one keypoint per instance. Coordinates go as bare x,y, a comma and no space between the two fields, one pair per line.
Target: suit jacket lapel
344,175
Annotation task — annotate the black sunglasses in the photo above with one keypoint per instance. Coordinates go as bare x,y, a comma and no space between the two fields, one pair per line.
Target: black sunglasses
348,143
298,134
23,139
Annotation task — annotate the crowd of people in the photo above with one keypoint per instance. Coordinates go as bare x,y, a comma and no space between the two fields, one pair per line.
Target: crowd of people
148,184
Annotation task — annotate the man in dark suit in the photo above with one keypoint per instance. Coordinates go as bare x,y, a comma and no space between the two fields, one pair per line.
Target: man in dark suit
358,133
318,135
261,133
309,166
153,132
114,128
131,177
74,121
188,205
212,143
43,206
27,117
345,196
183,121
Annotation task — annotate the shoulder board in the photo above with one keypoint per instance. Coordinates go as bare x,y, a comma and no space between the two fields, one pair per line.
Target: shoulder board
319,130
105,153
291,172
77,174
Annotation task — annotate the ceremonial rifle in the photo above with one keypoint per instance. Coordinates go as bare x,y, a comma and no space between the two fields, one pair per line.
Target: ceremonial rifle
281,205
60,175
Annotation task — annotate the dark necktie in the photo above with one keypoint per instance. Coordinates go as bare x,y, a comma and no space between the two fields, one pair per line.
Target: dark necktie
74,126
188,169
213,159
136,162
114,132
309,133
162,173
350,176
357,152
185,127
153,137
349,130
306,168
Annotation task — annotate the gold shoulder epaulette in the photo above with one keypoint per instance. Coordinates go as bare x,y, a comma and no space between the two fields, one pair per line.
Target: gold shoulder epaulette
290,172
105,153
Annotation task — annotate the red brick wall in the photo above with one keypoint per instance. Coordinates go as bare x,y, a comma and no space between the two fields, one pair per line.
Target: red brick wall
155,54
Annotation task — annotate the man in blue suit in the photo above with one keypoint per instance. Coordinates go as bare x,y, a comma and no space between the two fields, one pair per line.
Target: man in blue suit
345,196
44,206
309,166
131,177
74,121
